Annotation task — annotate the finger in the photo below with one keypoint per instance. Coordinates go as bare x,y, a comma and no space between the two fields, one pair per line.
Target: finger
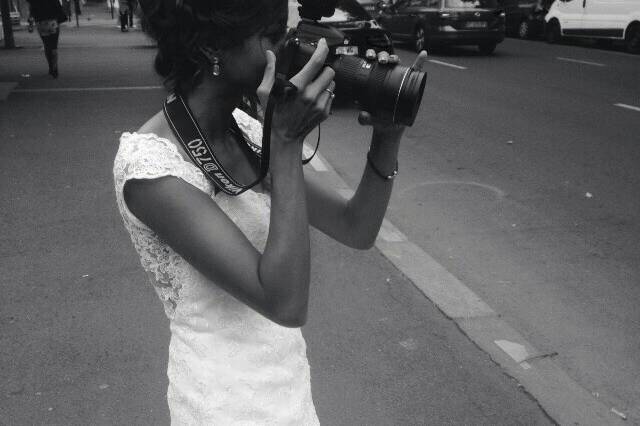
326,98
313,66
421,59
326,94
364,118
313,90
383,57
264,89
370,54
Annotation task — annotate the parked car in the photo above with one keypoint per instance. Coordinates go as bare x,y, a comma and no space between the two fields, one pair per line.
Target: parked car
595,19
525,18
428,23
14,14
361,31
370,6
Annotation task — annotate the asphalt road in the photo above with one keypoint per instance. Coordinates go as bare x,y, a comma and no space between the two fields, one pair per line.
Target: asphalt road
493,184
520,177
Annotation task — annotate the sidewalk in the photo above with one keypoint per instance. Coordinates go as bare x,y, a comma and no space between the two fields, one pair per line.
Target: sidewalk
93,29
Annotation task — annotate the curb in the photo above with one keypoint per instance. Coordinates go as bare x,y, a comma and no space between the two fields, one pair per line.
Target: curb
562,398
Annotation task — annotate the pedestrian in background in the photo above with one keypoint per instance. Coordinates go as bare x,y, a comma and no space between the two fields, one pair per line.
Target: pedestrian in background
48,14
66,6
132,6
124,15
127,8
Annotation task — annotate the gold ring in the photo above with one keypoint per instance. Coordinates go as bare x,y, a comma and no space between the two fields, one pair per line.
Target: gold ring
333,95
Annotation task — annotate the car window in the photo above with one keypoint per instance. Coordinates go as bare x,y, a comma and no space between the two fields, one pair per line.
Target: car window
424,3
471,4
400,3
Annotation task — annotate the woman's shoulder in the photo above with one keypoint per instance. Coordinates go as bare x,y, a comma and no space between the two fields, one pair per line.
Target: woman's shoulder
153,135
150,153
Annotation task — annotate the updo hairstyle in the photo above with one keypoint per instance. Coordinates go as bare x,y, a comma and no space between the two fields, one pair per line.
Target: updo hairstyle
182,28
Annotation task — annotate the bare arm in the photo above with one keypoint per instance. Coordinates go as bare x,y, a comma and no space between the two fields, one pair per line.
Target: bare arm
196,228
356,222
276,282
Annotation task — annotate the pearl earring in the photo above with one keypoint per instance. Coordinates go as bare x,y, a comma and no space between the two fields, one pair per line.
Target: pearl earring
216,66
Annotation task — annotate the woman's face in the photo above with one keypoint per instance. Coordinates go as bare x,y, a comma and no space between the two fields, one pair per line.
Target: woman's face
244,66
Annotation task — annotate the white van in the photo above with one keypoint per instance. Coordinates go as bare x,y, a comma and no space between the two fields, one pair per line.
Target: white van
600,19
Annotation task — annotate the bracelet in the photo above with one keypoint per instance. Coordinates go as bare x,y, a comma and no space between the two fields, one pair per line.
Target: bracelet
378,172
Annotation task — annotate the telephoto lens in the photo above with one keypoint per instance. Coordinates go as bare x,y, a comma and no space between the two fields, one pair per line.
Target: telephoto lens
389,91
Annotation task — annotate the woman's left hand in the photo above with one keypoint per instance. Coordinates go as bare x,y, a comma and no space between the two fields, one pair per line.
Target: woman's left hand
367,119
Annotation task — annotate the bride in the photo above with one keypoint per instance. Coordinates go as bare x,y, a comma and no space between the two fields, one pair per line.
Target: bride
233,271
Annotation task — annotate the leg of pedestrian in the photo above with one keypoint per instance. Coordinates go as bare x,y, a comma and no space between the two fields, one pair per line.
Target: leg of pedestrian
123,21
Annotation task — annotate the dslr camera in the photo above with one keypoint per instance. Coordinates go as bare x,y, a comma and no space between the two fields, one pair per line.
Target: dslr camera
388,91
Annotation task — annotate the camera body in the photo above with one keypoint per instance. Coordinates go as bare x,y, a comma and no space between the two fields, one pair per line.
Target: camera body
389,91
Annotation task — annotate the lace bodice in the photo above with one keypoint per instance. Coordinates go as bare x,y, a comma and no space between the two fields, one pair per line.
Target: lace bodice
227,363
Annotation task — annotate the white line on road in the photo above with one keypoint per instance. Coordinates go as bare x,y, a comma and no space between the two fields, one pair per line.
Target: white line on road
631,107
446,64
579,61
86,89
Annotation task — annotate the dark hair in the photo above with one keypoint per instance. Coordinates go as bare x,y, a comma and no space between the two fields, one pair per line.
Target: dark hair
182,28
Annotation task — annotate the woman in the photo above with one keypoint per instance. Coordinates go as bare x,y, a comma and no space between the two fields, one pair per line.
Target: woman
47,15
233,271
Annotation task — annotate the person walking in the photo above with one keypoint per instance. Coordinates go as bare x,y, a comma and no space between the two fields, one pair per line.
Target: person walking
48,14
132,6
127,8
124,15
233,271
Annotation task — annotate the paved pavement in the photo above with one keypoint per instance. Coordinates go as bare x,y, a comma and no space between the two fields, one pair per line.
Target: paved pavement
82,336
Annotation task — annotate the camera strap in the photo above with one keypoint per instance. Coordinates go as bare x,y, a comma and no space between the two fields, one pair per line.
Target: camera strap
188,132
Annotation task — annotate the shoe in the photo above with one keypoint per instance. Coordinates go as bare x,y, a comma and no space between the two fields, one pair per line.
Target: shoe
54,72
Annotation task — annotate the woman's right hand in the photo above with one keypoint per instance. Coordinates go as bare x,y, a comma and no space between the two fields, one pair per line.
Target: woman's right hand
295,117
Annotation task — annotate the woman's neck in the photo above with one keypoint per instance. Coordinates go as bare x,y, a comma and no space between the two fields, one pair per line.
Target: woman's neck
212,106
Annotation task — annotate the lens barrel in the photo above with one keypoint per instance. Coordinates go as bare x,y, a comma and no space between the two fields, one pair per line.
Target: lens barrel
390,91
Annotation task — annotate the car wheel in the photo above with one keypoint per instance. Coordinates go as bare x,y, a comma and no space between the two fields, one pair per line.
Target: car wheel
420,39
633,39
487,48
552,32
524,30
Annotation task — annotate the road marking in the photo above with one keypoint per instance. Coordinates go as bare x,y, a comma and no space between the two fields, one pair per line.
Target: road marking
579,61
631,107
86,89
446,64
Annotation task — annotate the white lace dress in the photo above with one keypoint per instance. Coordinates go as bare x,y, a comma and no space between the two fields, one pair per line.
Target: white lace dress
228,365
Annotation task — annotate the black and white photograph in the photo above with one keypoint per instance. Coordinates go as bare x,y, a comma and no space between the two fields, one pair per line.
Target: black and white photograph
319,212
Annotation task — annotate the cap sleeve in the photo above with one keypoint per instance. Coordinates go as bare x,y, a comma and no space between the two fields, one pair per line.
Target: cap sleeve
147,156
